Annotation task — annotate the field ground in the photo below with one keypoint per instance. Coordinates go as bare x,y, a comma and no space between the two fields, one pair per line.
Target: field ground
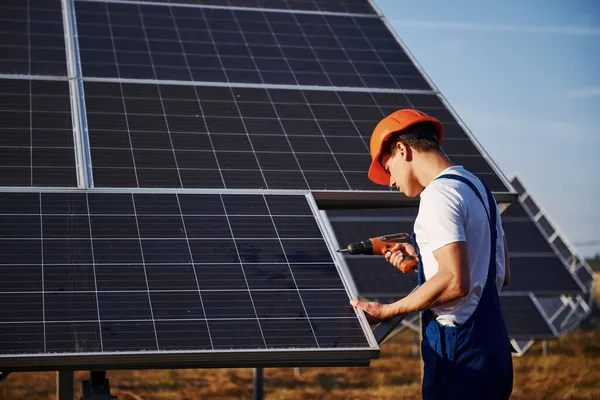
571,370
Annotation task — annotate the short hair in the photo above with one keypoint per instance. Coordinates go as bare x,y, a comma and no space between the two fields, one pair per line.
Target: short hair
420,136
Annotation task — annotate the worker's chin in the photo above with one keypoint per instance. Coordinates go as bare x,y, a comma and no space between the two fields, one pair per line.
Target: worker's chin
407,193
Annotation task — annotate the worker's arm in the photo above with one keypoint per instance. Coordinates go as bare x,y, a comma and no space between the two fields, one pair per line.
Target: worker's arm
506,264
451,282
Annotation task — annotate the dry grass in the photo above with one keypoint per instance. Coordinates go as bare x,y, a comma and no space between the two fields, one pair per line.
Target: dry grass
570,371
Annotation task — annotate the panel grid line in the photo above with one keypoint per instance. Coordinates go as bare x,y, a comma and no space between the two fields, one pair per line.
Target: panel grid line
241,264
185,57
245,85
337,94
87,204
161,101
135,171
42,264
171,290
240,113
195,274
378,57
185,320
145,272
274,108
291,272
306,102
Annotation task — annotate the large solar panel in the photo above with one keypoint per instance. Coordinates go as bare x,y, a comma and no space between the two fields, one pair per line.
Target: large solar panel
88,274
149,135
32,38
36,134
228,45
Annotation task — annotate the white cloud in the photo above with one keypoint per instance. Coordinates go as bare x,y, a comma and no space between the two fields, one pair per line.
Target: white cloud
557,29
584,92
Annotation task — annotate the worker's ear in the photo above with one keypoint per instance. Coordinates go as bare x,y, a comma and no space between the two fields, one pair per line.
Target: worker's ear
403,151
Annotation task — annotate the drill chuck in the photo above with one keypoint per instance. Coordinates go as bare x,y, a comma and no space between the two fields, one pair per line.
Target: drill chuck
365,247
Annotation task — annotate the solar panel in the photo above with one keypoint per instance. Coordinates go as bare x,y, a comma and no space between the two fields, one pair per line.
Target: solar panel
231,45
155,135
32,39
36,134
86,275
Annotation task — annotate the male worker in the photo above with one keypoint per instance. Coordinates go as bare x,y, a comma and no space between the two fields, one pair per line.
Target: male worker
463,262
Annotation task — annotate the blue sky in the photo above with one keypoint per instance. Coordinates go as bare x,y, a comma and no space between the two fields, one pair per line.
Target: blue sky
525,78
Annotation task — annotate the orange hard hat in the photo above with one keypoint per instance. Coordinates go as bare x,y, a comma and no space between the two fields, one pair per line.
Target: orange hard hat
394,123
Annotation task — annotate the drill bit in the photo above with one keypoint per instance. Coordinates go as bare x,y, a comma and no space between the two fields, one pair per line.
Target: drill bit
342,250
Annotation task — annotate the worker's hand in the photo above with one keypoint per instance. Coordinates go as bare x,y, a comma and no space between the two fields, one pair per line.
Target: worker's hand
395,257
375,312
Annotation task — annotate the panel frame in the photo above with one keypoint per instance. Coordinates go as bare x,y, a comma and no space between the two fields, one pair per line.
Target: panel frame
79,116
219,7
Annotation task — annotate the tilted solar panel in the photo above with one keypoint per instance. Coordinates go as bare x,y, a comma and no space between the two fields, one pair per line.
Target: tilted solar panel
88,275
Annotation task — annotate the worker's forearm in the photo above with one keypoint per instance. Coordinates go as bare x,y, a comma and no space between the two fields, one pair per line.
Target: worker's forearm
434,292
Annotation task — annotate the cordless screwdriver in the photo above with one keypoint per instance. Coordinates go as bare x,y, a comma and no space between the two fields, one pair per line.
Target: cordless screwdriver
381,245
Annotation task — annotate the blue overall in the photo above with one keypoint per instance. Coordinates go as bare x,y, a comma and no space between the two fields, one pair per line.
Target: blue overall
472,360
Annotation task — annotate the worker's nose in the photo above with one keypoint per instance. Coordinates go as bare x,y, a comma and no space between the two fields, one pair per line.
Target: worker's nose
392,182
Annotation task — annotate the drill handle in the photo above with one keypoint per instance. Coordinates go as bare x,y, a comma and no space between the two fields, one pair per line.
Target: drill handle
409,264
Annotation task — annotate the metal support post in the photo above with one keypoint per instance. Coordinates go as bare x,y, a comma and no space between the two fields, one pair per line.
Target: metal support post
545,347
415,345
97,387
64,385
258,384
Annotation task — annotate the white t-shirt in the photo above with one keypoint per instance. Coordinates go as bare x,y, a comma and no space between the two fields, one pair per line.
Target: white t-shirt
449,211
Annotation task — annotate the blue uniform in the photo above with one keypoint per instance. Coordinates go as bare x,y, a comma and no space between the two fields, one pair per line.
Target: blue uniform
472,360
